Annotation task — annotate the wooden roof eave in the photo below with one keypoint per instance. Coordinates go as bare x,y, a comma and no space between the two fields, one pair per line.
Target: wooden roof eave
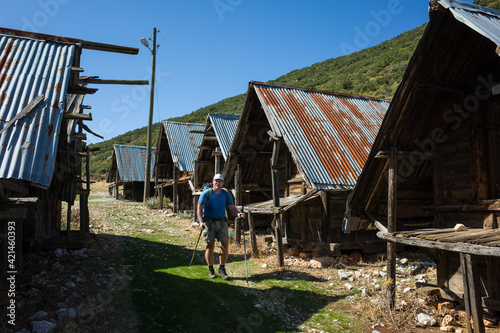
241,130
460,247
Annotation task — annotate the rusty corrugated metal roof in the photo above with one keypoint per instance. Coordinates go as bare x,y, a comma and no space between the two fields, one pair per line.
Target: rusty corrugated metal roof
131,162
329,135
224,127
31,68
184,146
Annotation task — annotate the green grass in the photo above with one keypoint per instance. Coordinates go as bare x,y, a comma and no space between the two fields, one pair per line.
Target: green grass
167,295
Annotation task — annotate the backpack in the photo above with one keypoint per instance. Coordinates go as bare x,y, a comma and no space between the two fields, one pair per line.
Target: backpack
211,191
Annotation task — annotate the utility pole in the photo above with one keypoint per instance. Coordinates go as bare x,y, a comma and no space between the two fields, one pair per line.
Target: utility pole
147,180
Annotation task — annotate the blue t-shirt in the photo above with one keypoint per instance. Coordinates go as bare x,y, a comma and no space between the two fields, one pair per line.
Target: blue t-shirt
215,205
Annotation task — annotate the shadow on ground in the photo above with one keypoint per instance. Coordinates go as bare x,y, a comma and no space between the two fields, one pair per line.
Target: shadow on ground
169,295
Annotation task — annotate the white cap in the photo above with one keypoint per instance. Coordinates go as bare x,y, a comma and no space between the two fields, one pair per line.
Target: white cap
218,176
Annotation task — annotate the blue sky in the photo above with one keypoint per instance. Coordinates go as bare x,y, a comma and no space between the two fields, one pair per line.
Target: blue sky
208,49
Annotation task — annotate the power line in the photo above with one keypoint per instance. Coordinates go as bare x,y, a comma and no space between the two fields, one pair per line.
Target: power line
164,12
177,20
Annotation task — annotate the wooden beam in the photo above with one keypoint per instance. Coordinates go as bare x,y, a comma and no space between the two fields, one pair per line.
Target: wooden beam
78,116
259,153
35,103
86,128
480,250
79,90
380,180
81,136
378,224
77,69
18,202
108,47
435,90
122,82
386,154
464,208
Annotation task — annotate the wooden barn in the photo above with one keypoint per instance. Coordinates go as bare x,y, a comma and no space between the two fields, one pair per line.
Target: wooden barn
176,150
41,134
217,138
434,163
295,157
128,167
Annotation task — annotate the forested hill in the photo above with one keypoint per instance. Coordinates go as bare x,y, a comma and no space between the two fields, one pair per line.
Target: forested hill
374,72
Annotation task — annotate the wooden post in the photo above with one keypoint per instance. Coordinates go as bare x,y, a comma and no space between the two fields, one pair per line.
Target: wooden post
253,238
156,166
195,175
82,214
237,187
68,223
160,193
276,201
325,216
391,226
472,292
2,193
174,191
147,176
277,217
217,160
116,183
87,175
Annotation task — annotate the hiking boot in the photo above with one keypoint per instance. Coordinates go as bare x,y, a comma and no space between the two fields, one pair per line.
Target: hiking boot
223,274
211,273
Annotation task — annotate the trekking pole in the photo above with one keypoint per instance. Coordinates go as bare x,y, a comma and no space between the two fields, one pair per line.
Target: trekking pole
244,246
196,247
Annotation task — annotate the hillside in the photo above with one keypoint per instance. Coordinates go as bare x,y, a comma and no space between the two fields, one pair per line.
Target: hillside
374,72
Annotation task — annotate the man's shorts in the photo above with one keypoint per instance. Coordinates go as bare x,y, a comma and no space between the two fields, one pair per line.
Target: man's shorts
215,229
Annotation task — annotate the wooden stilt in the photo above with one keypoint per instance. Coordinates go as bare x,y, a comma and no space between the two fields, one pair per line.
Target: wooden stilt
391,226
472,293
174,191
160,193
68,223
253,238
276,198
277,218
237,187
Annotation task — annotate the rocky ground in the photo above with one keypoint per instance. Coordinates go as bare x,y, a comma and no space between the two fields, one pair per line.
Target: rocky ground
82,286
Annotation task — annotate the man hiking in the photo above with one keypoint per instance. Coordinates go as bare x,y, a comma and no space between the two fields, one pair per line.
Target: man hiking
212,214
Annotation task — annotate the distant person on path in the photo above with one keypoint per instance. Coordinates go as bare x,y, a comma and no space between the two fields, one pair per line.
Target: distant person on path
212,214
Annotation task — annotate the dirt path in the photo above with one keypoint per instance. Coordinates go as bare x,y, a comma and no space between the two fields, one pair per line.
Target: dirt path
131,274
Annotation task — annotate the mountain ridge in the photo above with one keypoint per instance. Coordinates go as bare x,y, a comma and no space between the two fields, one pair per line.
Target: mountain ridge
372,72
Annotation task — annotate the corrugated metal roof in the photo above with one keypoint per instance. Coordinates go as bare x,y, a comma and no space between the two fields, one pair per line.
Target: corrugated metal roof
224,127
483,20
183,145
30,68
131,162
329,135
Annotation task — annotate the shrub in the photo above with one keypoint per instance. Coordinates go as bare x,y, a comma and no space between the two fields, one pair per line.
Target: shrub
154,202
